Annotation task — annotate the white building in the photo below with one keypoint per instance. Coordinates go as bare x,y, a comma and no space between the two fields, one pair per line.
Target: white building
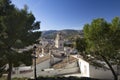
56,60
59,42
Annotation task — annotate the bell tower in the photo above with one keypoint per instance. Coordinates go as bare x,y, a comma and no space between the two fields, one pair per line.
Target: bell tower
59,42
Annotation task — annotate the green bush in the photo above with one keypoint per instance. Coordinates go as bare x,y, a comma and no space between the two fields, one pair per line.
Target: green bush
19,78
2,78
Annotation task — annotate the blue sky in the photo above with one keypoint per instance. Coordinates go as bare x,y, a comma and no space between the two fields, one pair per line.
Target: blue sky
70,14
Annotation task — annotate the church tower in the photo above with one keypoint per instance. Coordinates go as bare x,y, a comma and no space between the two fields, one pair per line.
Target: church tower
59,42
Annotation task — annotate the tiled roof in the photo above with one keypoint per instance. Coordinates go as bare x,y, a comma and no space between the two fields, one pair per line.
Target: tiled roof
64,62
42,59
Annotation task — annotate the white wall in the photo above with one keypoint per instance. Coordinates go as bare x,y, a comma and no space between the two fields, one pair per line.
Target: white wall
58,72
50,72
25,68
84,68
39,67
43,65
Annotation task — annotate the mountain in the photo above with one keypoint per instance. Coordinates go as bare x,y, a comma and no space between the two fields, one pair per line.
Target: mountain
50,34
67,33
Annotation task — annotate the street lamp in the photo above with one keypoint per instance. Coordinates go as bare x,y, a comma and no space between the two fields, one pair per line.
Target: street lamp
34,61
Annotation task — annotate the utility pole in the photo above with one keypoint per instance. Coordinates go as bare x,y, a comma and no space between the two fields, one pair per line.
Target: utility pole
34,62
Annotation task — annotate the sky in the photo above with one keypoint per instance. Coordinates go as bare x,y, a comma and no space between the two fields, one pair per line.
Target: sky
69,14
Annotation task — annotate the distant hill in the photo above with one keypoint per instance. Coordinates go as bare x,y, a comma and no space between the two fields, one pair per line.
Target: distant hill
67,33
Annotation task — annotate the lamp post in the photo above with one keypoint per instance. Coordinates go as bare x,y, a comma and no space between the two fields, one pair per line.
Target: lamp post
34,62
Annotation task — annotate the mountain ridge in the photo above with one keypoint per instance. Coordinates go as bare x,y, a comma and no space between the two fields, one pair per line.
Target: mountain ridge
67,33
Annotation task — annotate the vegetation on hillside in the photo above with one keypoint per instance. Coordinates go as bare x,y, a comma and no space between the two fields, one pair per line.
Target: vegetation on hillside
67,34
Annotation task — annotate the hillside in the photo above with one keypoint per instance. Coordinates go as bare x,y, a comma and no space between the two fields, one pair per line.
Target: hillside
67,33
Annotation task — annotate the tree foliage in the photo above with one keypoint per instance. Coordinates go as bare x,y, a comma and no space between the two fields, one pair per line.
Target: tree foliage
103,40
103,37
16,31
81,45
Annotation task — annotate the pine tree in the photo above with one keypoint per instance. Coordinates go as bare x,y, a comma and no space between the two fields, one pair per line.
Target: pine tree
16,31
